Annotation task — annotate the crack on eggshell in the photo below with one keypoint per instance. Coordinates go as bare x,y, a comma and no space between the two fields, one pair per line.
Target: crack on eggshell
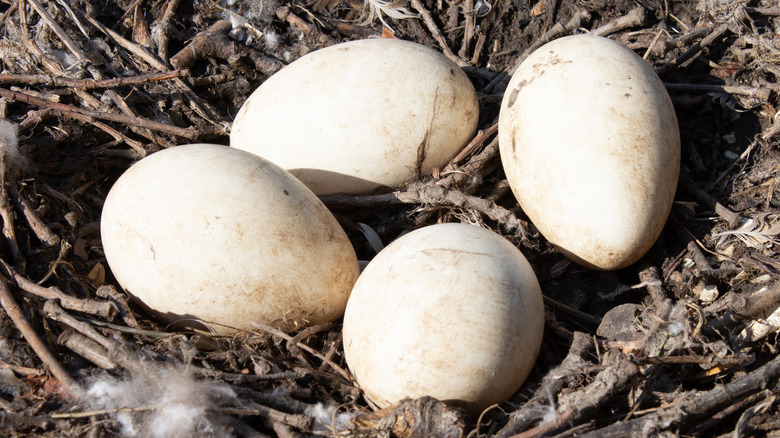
422,148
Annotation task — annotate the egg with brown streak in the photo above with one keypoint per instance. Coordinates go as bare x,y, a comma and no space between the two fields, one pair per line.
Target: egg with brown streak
360,115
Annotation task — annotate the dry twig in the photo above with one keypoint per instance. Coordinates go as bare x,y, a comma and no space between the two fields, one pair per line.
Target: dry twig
428,194
76,112
15,313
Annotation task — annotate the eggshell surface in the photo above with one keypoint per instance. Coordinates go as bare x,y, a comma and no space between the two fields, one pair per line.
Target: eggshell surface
213,233
590,145
360,115
451,311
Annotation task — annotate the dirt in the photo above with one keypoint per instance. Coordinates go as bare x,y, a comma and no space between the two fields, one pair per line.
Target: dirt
681,343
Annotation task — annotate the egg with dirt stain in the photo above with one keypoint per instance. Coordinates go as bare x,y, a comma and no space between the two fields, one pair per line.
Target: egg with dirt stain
590,145
216,238
452,311
360,115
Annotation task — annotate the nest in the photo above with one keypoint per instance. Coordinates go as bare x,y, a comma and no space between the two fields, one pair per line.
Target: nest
683,342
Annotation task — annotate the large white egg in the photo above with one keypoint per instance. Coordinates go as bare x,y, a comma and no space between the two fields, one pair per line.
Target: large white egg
360,115
451,311
591,148
215,234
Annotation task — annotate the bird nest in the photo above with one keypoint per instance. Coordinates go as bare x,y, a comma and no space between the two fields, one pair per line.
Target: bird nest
683,342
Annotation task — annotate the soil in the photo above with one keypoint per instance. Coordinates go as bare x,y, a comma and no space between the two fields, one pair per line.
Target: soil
681,343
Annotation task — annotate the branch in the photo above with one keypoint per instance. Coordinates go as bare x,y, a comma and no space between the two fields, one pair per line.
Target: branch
190,133
695,404
420,193
15,313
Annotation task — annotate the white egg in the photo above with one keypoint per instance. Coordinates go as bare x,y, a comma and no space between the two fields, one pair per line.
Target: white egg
360,115
591,148
451,311
214,234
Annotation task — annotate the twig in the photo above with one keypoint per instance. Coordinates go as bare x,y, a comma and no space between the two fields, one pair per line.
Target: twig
86,348
473,167
15,313
476,142
94,307
69,43
763,11
732,219
210,42
284,13
131,330
98,75
190,133
201,107
57,313
436,33
307,332
736,406
552,383
772,130
110,292
468,32
420,417
278,399
743,308
746,153
8,222
244,379
694,404
760,93
136,146
577,406
87,84
18,369
161,30
215,42
41,230
8,13
683,360
651,276
636,17
268,329
301,422
420,193
128,45
13,421
716,34
33,48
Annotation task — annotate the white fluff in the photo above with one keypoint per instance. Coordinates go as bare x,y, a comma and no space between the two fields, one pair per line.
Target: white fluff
66,59
328,418
9,146
271,40
160,402
392,8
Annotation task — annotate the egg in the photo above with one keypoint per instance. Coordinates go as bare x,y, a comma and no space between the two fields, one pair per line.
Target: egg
217,238
360,115
590,145
451,311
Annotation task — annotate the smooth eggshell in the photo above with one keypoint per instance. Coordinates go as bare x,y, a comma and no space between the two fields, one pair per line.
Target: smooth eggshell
451,311
360,115
216,234
591,148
